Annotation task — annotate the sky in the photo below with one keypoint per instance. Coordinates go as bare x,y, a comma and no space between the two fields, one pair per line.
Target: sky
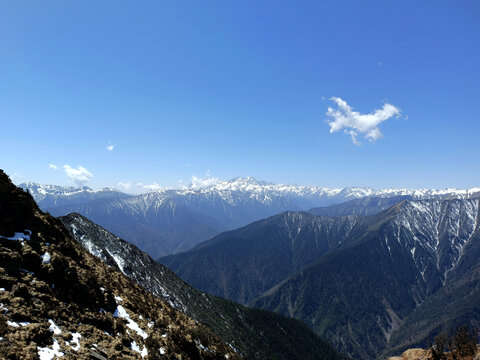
147,94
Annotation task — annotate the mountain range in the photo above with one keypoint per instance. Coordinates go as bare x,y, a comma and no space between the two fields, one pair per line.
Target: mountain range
376,274
85,293
368,284
174,220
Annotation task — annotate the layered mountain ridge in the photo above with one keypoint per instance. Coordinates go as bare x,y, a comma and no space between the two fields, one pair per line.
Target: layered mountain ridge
174,220
356,287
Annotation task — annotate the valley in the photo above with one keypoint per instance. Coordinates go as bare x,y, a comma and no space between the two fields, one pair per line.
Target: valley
364,274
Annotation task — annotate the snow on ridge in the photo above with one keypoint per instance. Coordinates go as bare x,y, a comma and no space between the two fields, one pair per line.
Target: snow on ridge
252,186
118,260
92,248
40,191
255,187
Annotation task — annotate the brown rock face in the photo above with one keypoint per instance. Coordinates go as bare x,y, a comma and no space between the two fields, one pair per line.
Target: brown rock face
56,300
421,354
415,354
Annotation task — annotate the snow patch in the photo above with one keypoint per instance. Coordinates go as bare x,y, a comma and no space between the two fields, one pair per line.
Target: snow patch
54,328
15,324
3,307
122,313
46,353
136,348
76,340
46,258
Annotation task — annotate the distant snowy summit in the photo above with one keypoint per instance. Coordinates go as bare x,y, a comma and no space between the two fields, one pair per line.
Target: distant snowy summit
254,189
48,196
38,189
251,185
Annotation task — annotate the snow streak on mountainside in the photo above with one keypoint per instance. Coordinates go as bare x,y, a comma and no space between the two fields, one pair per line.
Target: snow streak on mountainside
404,258
435,233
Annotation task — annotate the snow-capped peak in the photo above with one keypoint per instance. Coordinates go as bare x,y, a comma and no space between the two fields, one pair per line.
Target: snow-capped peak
58,190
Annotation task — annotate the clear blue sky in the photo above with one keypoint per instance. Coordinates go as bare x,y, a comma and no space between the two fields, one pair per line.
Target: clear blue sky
240,88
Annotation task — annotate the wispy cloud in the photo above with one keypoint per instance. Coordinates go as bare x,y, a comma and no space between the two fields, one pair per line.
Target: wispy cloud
355,124
52,166
110,146
80,176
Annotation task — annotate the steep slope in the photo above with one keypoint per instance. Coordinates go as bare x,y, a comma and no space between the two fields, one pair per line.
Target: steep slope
457,303
354,280
358,296
249,331
57,300
362,207
242,264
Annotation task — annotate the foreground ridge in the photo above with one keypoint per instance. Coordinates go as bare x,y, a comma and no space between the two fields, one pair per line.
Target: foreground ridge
57,300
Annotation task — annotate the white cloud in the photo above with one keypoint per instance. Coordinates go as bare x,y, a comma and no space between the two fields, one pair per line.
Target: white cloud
139,187
125,186
356,124
150,187
52,166
208,180
80,176
110,147
17,178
